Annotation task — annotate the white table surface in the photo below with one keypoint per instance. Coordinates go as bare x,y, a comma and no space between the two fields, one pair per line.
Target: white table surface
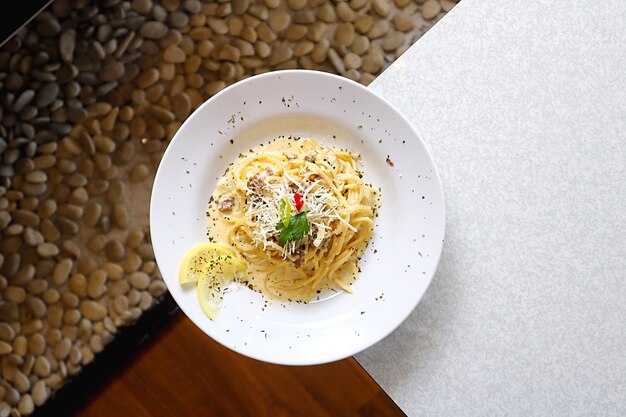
523,105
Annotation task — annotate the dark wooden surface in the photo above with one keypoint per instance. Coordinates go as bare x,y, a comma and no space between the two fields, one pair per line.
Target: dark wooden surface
182,372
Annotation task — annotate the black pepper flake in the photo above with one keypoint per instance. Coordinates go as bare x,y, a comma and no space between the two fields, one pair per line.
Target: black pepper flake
231,141
362,312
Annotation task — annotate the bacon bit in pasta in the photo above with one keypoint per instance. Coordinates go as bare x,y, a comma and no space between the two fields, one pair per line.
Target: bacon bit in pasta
299,201
255,182
310,158
226,205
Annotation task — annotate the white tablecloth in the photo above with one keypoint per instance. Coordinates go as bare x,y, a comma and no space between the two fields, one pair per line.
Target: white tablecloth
523,105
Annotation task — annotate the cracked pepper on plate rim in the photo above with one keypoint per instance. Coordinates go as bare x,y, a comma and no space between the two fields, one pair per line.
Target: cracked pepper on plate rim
396,267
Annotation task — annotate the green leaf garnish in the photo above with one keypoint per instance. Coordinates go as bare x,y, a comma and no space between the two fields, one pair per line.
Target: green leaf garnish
285,212
297,228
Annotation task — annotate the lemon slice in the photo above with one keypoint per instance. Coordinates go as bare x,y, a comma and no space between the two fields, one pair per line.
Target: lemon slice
213,267
209,258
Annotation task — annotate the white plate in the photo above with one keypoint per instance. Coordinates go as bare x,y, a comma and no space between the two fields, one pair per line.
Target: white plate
399,262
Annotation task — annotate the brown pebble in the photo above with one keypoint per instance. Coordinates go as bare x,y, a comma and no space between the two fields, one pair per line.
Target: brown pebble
120,217
281,53
326,13
114,250
14,294
61,271
47,250
139,280
403,22
315,31
148,78
40,393
363,23
279,21
32,237
37,344
447,5
26,218
352,61
392,40
174,54
381,7
36,306
93,310
118,288
218,26
104,143
345,34
96,283
62,349
6,332
78,285
5,348
378,29
157,288
345,12
430,9
372,63
92,214
42,367
303,48
139,172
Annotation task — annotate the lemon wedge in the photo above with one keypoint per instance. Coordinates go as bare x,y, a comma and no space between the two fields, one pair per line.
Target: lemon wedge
213,267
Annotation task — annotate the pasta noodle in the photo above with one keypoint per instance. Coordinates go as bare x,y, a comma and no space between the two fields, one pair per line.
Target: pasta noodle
298,213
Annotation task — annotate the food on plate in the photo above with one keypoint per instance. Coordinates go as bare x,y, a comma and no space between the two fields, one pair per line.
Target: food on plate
289,219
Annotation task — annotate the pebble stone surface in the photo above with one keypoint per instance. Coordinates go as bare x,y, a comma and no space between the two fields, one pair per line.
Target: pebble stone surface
90,94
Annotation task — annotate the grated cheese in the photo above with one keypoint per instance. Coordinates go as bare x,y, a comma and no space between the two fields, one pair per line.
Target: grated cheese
264,210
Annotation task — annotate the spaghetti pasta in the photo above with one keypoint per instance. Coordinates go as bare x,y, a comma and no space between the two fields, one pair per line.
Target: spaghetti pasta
298,213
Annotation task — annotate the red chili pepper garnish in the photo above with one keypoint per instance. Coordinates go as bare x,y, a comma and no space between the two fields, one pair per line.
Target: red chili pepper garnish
299,201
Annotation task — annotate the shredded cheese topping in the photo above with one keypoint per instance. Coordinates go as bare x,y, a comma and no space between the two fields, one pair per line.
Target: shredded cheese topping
319,203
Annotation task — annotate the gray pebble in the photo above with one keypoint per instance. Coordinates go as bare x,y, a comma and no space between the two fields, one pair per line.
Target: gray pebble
47,94
22,100
47,24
